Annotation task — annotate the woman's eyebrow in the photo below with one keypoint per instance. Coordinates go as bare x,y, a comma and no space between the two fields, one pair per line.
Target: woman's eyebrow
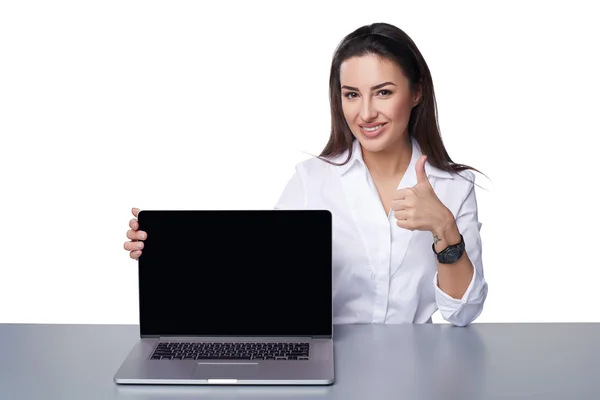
372,88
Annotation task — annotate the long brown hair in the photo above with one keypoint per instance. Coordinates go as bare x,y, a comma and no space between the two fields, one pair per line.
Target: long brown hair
393,44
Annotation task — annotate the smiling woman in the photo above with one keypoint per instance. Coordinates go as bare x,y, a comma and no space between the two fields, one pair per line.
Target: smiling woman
423,253
378,78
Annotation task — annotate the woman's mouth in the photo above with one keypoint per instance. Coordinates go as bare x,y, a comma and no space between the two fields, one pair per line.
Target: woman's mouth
373,131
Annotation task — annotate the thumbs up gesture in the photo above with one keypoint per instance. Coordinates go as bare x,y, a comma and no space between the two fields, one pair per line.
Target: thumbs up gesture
418,207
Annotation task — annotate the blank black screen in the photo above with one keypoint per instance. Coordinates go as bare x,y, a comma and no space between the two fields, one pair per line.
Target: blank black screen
233,272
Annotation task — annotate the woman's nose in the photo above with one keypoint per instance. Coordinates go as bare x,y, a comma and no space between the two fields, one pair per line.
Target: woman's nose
367,111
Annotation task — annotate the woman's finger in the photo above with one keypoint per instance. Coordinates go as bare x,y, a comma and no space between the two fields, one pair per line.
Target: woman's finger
133,246
136,235
135,254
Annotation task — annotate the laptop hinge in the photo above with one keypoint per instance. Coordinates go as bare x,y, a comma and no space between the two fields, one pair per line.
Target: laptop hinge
215,337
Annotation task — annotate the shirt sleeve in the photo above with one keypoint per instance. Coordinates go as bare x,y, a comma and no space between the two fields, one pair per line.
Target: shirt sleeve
293,196
461,312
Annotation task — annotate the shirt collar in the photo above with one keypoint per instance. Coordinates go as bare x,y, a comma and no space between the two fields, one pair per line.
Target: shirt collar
356,160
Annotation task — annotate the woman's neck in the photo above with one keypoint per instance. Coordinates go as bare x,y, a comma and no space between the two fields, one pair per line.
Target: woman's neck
391,161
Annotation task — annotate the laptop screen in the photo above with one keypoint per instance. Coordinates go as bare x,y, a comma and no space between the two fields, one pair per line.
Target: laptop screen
236,273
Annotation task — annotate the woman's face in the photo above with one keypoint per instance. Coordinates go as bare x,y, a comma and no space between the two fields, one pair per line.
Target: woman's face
376,101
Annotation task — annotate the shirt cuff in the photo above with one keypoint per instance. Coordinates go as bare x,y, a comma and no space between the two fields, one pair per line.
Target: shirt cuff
451,309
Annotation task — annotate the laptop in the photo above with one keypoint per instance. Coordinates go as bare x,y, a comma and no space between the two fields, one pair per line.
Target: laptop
232,297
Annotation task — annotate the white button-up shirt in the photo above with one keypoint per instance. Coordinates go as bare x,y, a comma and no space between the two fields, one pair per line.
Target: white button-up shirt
383,273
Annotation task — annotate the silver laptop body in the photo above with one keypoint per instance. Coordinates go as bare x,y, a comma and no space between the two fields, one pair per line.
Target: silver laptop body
234,297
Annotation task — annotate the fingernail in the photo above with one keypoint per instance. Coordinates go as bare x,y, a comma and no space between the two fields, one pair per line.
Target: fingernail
142,236
140,245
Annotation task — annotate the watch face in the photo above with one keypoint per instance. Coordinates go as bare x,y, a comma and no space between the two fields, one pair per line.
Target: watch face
452,255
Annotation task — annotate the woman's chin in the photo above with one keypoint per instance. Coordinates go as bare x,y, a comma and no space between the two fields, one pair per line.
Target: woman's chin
374,145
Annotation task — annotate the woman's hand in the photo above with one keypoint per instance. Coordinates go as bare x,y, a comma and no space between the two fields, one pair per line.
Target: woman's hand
136,244
418,207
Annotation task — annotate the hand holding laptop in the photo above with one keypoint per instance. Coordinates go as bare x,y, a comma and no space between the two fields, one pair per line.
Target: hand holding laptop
136,244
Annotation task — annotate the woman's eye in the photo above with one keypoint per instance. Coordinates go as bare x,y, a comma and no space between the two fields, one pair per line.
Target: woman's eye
353,95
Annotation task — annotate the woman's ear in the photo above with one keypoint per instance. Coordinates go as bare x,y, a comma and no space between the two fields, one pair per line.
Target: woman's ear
417,95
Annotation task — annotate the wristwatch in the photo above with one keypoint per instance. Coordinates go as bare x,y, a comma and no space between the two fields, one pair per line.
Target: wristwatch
452,253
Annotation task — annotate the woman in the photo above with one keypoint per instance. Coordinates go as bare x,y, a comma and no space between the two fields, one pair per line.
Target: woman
422,251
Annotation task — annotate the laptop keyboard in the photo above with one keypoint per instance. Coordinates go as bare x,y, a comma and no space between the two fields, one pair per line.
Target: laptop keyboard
230,351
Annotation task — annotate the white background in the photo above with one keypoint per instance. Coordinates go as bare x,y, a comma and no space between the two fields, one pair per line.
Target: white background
108,105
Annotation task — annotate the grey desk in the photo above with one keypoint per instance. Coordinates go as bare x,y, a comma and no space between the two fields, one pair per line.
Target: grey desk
373,362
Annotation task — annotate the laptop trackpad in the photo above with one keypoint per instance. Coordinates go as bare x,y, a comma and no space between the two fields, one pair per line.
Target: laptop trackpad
224,370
